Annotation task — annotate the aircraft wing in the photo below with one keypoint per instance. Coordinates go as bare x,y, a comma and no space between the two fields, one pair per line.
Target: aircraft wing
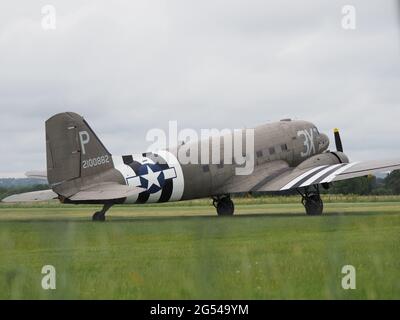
296,178
278,176
106,191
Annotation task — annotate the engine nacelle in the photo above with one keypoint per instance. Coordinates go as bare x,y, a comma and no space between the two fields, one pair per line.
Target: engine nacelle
327,158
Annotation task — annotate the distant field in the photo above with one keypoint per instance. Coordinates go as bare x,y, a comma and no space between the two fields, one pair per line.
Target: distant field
269,250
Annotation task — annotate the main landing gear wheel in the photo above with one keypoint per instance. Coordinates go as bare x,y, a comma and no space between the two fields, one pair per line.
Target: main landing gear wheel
224,205
101,215
312,202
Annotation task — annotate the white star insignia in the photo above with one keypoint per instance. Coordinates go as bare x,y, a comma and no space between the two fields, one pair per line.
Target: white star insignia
152,177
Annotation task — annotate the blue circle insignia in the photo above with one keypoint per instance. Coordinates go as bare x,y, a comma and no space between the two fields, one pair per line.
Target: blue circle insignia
151,177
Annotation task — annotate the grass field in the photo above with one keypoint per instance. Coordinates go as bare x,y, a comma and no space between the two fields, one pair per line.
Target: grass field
269,250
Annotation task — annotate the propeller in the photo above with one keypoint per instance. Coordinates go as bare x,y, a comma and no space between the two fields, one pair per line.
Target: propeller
338,140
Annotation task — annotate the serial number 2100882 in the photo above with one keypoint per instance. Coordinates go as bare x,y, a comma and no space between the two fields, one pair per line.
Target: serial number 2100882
94,162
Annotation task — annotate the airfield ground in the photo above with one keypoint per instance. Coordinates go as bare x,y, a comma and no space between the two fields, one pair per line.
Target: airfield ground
270,249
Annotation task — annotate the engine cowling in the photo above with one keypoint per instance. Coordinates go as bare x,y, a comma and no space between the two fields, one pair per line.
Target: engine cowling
327,158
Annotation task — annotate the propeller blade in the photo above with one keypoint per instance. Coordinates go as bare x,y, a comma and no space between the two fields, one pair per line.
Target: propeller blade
338,140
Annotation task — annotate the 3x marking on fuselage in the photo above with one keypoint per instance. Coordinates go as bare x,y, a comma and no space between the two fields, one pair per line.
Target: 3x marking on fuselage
309,142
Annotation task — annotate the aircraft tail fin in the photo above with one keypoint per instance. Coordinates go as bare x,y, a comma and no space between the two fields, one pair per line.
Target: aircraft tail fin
74,153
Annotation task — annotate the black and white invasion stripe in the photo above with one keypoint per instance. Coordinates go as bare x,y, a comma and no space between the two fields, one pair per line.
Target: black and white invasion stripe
318,175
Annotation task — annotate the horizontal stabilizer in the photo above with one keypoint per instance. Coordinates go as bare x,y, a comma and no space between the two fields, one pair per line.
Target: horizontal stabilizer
43,195
106,191
42,175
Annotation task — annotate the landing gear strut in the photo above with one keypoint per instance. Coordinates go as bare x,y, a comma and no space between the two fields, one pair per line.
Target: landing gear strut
101,215
311,200
224,205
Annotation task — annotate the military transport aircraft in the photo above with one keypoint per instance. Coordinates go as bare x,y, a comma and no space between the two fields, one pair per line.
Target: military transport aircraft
288,155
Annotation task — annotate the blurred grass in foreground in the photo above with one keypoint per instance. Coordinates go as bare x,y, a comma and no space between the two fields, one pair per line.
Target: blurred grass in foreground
267,251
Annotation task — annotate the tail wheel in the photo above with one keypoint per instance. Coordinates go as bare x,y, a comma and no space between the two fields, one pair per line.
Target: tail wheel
99,216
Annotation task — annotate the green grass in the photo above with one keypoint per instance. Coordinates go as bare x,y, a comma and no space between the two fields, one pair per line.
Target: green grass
267,251
336,198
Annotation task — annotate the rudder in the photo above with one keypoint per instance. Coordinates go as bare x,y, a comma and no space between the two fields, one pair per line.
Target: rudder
74,152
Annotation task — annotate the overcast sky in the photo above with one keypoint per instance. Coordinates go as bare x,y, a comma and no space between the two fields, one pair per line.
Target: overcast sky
133,65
